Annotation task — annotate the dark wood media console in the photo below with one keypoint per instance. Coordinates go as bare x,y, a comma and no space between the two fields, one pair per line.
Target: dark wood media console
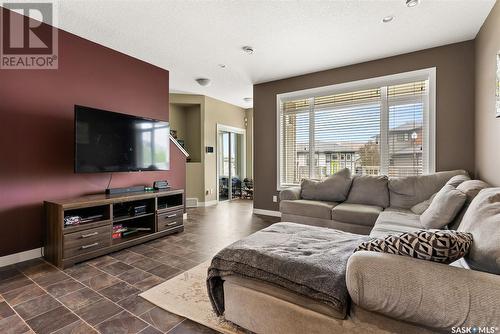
143,216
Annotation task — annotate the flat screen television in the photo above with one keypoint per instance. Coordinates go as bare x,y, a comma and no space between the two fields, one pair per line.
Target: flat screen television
108,141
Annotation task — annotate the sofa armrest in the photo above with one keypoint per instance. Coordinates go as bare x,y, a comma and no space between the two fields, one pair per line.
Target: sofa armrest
292,193
427,293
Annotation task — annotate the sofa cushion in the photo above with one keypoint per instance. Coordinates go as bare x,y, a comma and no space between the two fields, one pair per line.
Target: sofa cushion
420,208
359,214
405,192
394,221
370,190
470,188
308,208
458,179
291,193
334,188
444,207
482,219
441,246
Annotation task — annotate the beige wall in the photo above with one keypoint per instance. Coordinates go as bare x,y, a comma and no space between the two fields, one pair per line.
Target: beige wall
194,144
195,181
186,120
201,116
217,112
487,126
454,108
193,132
249,127
177,120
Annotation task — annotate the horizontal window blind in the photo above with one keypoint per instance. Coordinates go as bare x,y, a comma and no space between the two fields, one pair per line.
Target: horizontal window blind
406,104
371,131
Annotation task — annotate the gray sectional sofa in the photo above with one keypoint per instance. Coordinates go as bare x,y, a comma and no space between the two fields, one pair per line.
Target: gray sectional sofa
389,293
367,199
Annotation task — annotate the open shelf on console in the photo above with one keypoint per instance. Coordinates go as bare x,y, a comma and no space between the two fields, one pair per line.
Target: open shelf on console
89,216
169,202
127,218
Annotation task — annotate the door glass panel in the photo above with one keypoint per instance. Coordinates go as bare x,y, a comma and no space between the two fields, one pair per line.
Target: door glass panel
224,148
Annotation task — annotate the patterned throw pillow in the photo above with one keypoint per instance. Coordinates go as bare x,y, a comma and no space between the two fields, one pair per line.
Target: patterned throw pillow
444,246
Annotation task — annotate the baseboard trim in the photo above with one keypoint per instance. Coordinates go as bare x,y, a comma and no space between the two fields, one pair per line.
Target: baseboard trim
267,212
20,257
209,203
192,202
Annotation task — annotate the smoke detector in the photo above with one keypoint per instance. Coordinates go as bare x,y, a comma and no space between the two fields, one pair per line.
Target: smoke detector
247,49
388,19
412,3
203,82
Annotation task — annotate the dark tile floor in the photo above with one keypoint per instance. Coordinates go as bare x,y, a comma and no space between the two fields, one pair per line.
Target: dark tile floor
101,295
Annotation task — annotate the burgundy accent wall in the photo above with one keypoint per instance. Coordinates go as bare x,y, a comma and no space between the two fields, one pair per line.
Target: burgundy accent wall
36,131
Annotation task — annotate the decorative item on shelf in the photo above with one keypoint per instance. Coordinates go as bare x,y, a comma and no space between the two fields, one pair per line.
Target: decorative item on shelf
182,143
72,220
137,210
118,229
173,133
498,86
149,189
161,185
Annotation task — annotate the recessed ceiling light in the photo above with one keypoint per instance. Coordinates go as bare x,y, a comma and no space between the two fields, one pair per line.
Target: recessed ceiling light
412,3
222,65
388,19
247,49
248,99
203,82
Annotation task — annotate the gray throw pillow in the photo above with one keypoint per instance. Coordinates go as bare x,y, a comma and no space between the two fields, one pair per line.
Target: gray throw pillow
420,208
444,207
369,190
482,219
442,246
333,189
457,180
470,188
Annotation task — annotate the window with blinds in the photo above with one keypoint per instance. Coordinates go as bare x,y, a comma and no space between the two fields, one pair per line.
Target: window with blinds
374,131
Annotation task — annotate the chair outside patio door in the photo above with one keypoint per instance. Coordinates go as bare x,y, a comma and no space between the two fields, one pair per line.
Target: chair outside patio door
230,161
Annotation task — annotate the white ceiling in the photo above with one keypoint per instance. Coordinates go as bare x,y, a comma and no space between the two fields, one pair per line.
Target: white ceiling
191,38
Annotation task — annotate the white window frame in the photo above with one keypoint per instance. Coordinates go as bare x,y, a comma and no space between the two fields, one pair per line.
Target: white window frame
429,145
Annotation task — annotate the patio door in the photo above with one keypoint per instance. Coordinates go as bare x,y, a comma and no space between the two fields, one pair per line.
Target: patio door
230,161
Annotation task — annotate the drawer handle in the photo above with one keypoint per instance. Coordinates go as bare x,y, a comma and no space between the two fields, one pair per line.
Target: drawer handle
90,234
89,246
172,216
172,223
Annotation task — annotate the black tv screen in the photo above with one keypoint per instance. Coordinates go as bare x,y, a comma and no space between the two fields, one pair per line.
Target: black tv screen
112,142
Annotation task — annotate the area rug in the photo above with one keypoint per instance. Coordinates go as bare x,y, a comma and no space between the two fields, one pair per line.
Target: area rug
186,295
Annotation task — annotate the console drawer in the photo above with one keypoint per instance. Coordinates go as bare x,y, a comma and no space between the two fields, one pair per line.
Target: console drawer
170,219
86,241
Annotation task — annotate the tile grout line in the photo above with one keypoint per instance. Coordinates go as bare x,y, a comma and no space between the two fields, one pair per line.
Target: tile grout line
171,329
25,321
120,279
116,303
